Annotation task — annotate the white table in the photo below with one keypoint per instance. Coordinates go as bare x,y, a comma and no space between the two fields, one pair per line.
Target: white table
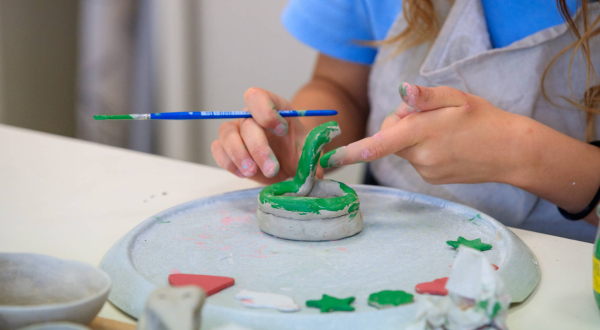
73,200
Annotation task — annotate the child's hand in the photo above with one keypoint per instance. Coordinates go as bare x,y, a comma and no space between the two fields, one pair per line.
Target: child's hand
465,139
265,147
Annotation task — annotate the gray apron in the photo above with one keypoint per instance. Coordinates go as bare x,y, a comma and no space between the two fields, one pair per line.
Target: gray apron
510,78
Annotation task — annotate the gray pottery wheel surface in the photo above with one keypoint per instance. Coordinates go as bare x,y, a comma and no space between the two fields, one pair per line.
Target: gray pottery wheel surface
403,243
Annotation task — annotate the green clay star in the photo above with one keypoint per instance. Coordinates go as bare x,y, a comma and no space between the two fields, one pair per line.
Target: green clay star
475,244
387,298
329,303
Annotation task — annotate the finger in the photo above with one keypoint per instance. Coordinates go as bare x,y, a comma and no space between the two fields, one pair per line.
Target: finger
431,98
256,141
231,141
397,114
320,172
263,106
385,142
223,160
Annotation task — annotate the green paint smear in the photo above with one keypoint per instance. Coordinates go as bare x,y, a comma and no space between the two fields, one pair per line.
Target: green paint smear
475,244
301,113
307,168
325,159
388,298
402,89
484,305
105,117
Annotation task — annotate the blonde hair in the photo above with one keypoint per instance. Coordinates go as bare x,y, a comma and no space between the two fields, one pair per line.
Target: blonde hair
423,26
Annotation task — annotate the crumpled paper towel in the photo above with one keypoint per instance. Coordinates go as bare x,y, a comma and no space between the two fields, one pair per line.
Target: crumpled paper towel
475,300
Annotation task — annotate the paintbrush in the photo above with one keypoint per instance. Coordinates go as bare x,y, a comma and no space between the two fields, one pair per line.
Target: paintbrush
211,115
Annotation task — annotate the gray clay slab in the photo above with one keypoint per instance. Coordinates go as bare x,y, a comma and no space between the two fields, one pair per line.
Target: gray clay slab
403,243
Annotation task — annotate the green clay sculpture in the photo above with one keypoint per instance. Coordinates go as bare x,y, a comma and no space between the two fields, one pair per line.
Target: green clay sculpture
307,209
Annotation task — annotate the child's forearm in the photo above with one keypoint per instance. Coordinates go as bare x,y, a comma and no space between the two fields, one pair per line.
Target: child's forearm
556,167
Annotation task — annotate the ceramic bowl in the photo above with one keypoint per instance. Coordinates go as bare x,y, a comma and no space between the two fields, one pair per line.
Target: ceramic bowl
36,288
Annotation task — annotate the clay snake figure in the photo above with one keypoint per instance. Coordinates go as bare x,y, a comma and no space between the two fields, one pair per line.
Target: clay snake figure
306,208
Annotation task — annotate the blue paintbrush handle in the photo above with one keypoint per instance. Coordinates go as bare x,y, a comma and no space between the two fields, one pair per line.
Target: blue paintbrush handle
236,114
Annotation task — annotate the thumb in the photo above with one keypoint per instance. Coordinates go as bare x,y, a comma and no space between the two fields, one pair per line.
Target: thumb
385,142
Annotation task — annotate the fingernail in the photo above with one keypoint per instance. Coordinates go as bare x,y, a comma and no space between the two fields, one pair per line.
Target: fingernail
239,174
334,158
281,129
248,167
409,93
271,168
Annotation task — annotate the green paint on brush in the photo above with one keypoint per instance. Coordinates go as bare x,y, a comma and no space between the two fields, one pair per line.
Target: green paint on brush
303,182
105,117
301,113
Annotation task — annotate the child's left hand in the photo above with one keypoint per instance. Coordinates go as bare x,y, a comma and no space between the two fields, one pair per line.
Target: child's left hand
453,137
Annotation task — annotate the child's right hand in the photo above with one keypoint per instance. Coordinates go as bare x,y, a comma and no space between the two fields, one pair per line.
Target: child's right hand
266,147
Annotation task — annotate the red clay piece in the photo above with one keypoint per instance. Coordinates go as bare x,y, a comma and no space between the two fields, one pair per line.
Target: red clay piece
495,267
210,284
436,287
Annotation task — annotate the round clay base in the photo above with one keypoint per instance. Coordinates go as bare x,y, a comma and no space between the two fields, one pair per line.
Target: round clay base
326,226
318,229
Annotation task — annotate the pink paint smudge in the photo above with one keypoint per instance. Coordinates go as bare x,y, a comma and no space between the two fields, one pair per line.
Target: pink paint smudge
205,236
226,221
224,212
174,271
199,243
378,137
183,238
259,251
225,248
342,249
365,154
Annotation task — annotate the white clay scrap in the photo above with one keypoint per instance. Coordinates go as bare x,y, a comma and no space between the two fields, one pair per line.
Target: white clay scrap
276,301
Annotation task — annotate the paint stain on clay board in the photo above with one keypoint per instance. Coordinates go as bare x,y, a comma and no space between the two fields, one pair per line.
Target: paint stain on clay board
164,193
276,301
226,221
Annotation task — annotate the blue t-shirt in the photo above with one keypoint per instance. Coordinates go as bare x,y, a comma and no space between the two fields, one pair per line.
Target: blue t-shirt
333,27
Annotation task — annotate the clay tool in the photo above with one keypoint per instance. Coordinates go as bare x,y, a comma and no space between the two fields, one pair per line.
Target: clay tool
211,115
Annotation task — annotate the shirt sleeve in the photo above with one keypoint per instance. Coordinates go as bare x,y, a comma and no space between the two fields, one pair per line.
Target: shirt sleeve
333,27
